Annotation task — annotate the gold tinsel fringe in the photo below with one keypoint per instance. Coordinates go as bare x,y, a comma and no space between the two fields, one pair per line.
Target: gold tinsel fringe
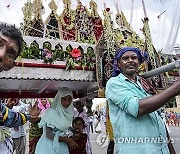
101,92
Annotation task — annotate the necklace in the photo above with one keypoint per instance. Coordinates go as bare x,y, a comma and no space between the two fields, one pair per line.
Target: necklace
77,134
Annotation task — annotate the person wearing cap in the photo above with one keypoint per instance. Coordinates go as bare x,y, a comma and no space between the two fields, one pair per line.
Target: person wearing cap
137,127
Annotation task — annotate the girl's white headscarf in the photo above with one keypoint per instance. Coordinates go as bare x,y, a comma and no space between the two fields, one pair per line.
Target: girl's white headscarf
58,116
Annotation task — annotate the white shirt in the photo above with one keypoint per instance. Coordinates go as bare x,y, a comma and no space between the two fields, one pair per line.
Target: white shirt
19,131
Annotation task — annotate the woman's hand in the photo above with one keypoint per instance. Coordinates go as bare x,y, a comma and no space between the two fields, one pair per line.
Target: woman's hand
34,113
72,144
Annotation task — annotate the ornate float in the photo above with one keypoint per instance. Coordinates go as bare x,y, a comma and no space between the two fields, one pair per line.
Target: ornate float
73,49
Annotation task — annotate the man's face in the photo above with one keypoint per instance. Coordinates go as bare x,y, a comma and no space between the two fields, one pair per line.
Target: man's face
79,105
12,102
8,52
129,63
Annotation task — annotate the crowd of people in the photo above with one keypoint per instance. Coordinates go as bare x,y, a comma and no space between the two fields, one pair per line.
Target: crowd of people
172,118
64,127
46,134
79,130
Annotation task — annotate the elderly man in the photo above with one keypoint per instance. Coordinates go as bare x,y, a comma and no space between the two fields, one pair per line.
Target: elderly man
136,125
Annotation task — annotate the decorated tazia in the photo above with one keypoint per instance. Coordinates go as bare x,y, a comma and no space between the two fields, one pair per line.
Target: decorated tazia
86,26
154,60
67,22
75,53
96,20
83,24
47,55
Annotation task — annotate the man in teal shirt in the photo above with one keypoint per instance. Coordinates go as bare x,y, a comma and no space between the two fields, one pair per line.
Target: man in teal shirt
137,127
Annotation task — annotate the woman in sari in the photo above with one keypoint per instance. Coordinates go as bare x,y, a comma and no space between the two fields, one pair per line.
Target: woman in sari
35,132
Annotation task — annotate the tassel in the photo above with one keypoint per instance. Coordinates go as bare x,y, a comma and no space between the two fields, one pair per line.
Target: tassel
101,92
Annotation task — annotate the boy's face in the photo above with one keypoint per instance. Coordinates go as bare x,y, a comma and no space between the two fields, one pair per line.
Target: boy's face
8,52
79,105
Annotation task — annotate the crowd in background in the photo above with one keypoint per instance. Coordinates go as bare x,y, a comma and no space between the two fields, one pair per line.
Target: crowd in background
172,118
17,136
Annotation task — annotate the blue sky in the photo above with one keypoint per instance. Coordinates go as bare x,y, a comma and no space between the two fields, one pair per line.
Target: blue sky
11,12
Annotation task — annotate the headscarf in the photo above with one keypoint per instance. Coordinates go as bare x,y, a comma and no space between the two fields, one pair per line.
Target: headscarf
57,115
141,57
42,107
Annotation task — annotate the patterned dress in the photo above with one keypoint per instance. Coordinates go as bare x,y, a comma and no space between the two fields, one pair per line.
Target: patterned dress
34,135
86,129
82,145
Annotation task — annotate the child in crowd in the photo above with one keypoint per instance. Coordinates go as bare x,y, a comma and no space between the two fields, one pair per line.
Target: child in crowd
81,112
78,136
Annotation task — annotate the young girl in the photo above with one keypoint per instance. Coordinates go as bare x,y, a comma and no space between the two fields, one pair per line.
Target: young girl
55,121
79,137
